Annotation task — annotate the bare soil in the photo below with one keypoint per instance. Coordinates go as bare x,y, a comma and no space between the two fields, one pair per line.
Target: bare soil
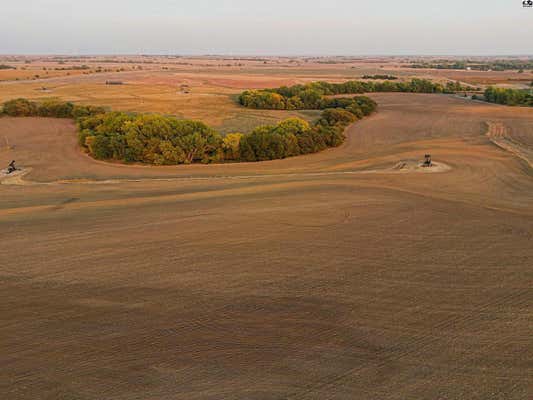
303,278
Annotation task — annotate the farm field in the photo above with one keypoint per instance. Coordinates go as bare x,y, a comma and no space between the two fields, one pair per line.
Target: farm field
346,274
206,88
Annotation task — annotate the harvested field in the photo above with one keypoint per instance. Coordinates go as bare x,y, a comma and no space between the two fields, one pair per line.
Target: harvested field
326,276
211,98
520,144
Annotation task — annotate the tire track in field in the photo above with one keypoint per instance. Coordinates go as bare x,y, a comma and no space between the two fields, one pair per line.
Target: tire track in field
18,178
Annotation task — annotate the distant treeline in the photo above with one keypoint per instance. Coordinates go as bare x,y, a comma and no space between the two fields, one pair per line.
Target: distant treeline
4,66
49,108
312,95
510,97
499,65
73,68
164,140
381,77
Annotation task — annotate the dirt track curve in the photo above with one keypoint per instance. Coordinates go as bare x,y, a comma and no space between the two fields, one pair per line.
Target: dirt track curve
328,276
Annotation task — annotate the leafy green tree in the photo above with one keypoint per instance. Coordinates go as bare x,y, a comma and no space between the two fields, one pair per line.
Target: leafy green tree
246,149
170,154
337,116
55,108
311,98
294,126
510,97
231,146
99,147
311,141
20,108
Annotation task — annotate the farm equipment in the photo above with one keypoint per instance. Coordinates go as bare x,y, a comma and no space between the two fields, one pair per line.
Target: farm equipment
427,161
11,167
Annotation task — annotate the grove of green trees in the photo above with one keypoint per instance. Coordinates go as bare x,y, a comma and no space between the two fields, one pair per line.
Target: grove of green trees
48,108
381,77
510,97
493,65
164,140
313,95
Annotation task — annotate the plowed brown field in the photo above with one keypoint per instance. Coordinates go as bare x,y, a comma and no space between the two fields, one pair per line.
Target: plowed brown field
328,276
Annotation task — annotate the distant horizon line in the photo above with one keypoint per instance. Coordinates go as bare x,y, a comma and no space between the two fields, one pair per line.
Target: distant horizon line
259,55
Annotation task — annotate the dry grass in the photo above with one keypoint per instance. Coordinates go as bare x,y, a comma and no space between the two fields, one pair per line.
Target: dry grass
212,98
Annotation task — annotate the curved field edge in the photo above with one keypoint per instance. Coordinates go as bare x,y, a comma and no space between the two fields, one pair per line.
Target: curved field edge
163,140
406,127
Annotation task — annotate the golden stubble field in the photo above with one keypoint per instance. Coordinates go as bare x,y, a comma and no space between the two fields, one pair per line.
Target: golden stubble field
207,97
328,276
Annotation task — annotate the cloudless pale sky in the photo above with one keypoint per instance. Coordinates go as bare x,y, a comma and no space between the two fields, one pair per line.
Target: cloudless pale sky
266,27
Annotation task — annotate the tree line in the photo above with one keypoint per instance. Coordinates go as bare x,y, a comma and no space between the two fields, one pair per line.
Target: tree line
294,136
313,95
52,108
381,77
165,140
496,65
510,97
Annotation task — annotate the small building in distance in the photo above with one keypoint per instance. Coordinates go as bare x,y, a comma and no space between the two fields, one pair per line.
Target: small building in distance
114,83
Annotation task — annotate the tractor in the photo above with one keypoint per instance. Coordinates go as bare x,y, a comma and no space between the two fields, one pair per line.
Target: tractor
11,167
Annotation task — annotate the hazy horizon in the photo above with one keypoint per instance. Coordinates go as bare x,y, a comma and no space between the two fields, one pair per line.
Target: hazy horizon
251,28
288,55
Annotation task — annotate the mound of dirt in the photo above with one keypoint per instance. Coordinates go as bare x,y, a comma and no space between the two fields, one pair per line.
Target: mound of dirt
418,166
14,178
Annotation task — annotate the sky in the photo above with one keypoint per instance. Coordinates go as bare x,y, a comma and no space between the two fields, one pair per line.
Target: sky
266,27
